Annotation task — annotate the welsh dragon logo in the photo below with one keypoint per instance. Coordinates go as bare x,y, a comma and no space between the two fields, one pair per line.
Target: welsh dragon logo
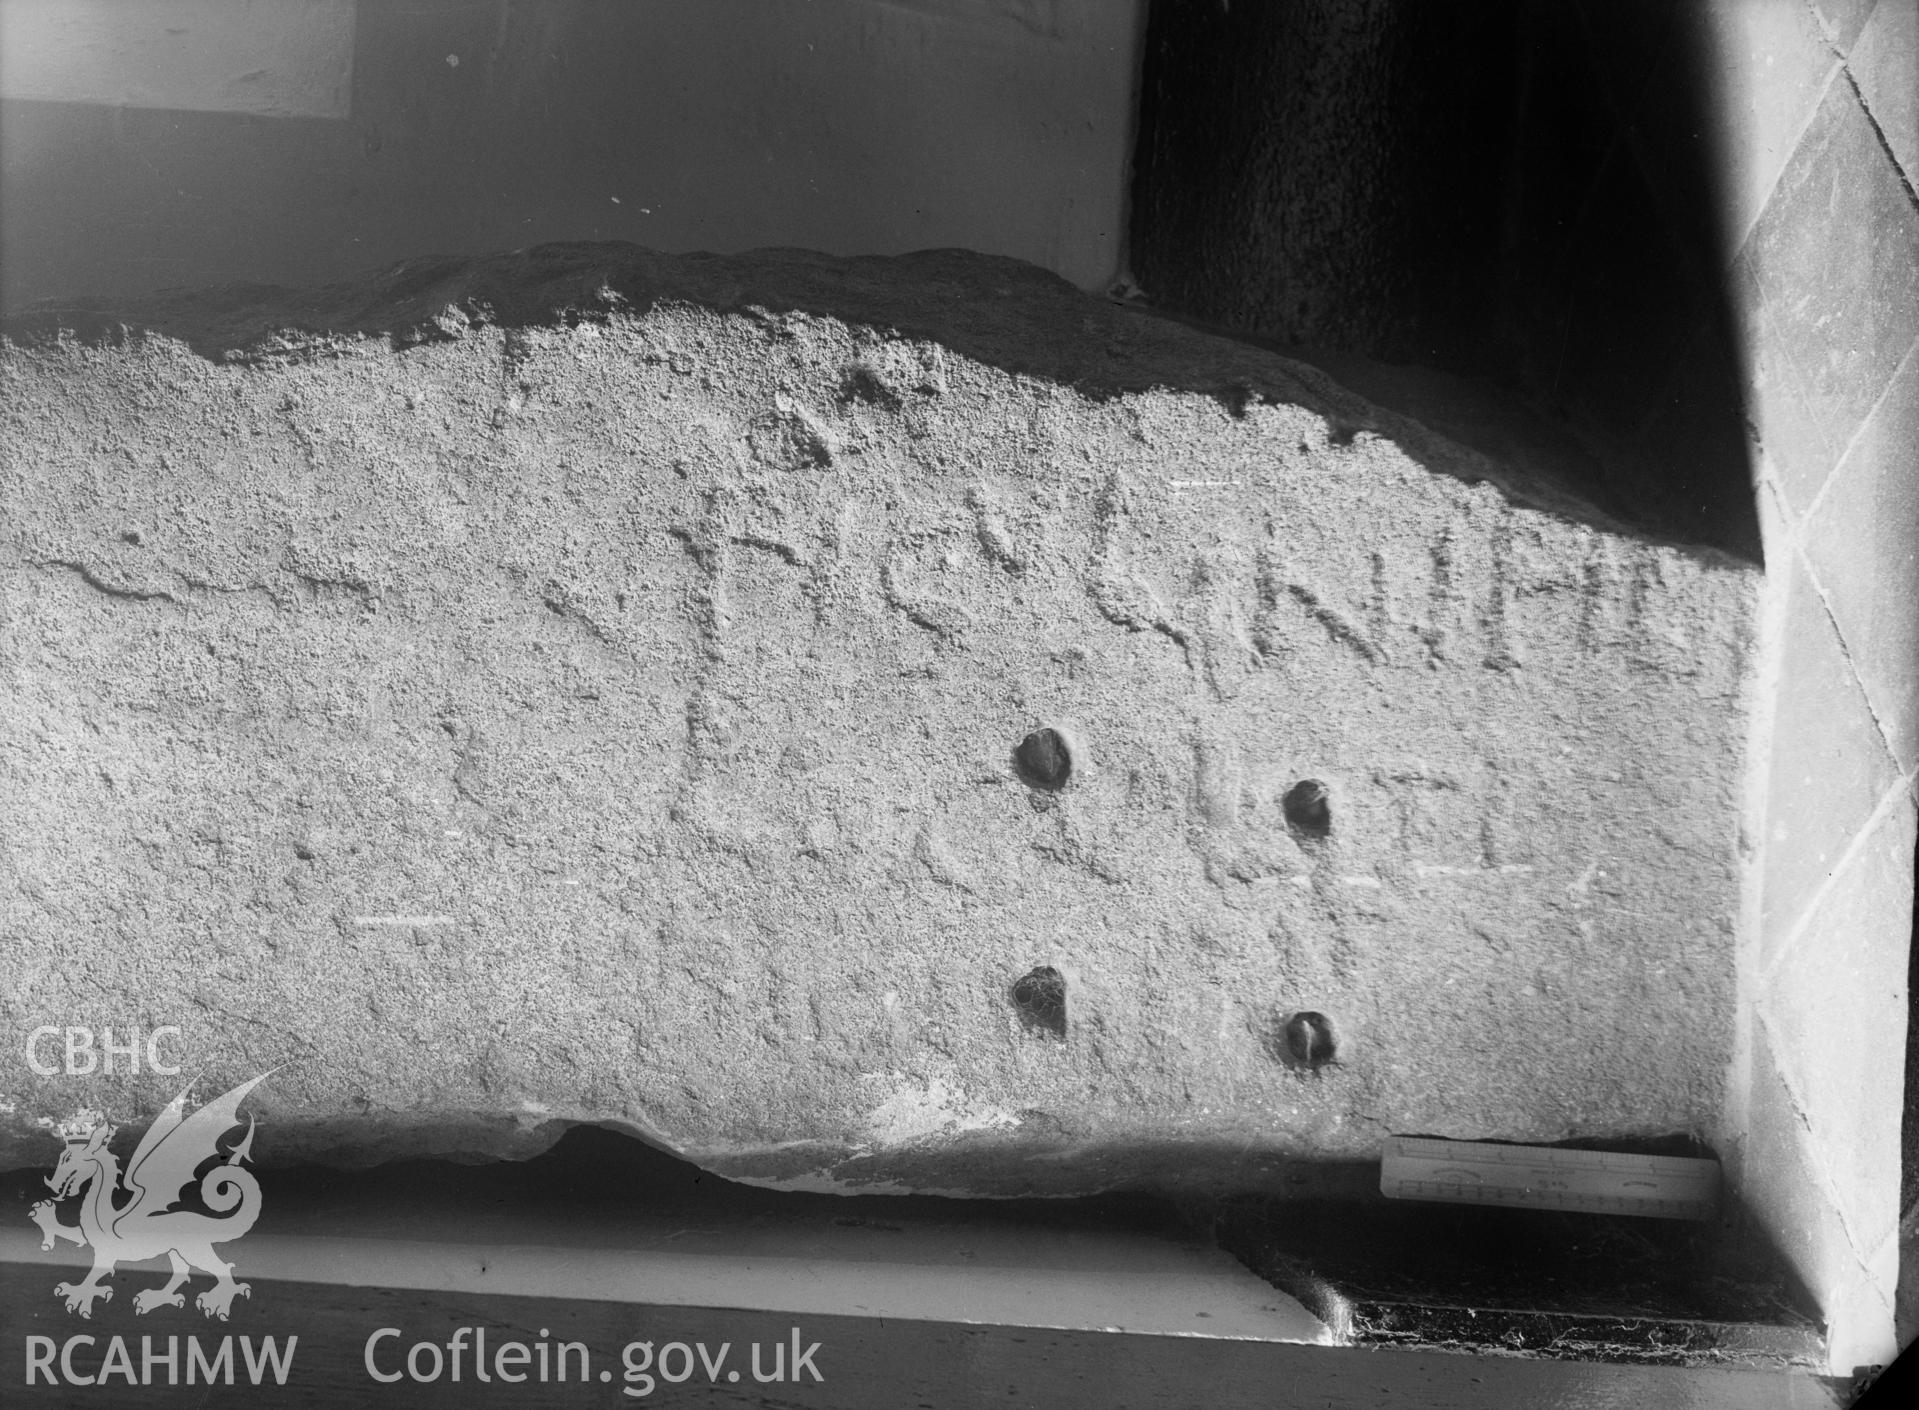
139,1222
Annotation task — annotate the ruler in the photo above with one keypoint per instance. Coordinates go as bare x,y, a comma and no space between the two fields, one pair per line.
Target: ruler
1547,1177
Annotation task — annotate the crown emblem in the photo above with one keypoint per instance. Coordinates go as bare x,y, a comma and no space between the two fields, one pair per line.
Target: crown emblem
80,1126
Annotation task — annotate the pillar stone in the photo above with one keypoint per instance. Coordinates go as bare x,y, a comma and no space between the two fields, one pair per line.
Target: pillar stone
891,723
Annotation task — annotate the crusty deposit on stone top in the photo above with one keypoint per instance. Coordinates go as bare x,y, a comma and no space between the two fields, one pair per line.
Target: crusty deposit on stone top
587,685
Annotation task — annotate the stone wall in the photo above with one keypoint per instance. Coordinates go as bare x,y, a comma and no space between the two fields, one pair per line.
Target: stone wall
1818,129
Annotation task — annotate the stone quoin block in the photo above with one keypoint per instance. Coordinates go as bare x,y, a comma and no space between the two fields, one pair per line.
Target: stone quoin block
870,723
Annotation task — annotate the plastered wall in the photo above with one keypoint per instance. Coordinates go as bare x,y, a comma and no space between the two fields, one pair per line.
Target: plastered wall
287,142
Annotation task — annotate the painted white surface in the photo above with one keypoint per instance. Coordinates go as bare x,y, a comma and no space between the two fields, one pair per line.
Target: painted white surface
1769,66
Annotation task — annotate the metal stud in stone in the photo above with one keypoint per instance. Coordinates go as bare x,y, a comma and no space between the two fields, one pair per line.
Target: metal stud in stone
1309,1040
1308,808
1043,760
1040,997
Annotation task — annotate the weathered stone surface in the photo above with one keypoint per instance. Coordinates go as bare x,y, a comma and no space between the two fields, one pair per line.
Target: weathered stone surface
594,685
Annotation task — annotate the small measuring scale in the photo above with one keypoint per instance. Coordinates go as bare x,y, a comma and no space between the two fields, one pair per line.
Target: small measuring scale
1547,1177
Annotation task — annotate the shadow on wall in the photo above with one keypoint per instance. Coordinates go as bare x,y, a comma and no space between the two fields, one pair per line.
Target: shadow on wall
1517,192
1001,312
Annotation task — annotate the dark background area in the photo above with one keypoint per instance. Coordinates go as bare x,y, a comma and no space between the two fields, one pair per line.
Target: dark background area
479,126
1514,192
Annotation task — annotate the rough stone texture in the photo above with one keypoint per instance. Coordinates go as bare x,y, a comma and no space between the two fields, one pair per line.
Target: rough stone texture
585,685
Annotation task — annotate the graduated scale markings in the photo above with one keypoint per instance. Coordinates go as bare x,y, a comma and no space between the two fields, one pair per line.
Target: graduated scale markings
1595,1182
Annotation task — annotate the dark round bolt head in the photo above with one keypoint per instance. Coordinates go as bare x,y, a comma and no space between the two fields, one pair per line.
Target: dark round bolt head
1040,997
1043,760
1308,807
1309,1039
